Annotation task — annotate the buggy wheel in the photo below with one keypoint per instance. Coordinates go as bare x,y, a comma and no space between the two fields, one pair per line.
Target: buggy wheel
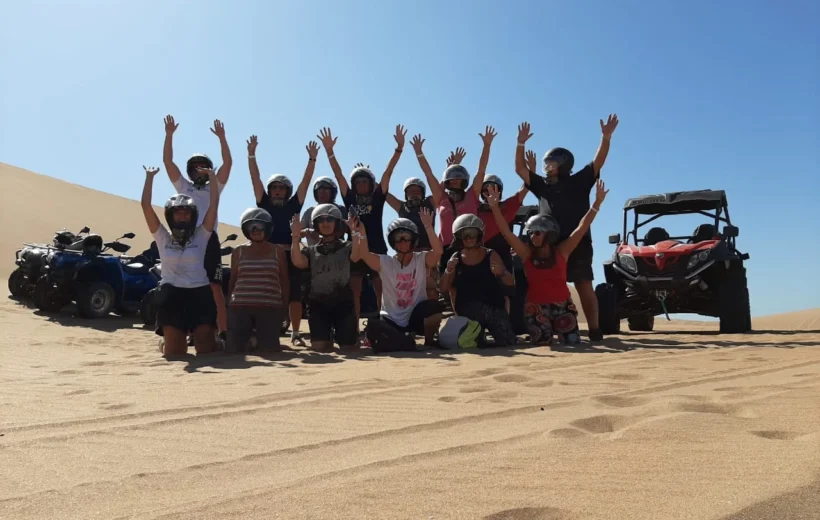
96,300
608,320
733,294
47,297
17,283
642,323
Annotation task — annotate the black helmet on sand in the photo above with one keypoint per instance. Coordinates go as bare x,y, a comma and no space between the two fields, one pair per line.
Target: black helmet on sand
258,215
545,224
562,157
468,221
181,231
326,182
198,160
324,211
456,172
283,180
402,224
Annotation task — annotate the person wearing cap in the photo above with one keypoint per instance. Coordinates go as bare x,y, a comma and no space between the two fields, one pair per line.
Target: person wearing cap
565,196
258,287
480,281
406,310
278,199
198,187
549,309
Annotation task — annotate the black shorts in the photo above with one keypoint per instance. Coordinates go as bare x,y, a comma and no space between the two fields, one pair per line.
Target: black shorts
186,309
579,263
213,259
333,322
361,269
423,310
244,321
295,276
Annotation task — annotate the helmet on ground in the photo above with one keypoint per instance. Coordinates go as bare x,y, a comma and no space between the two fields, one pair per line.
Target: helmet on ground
181,231
281,179
324,211
562,157
198,160
326,182
544,224
468,221
402,224
415,181
251,215
493,179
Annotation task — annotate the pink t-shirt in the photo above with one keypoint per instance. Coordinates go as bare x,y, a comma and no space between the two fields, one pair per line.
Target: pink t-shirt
448,211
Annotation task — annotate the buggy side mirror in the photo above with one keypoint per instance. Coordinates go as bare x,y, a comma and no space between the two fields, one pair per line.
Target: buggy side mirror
129,235
118,247
232,236
225,251
615,239
85,229
731,231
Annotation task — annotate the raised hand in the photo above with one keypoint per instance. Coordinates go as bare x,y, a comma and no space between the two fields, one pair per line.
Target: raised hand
532,162
401,133
327,139
170,125
493,197
417,142
426,217
361,165
312,149
609,127
457,156
497,267
488,135
600,192
150,171
252,142
218,129
296,225
524,132
453,262
207,171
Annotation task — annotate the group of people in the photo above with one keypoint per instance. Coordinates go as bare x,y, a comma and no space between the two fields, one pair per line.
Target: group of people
319,260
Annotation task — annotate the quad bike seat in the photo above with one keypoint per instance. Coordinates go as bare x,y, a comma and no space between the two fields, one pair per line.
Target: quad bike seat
655,235
703,232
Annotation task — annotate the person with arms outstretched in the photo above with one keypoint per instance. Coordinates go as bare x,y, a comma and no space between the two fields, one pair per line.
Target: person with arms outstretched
565,196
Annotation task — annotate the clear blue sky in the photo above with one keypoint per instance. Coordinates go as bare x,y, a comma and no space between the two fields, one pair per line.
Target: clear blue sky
711,94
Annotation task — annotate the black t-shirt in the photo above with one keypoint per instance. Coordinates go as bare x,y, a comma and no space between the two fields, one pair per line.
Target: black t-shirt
414,215
282,216
567,200
371,217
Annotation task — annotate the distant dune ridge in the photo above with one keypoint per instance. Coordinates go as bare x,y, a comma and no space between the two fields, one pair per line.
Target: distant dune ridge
679,423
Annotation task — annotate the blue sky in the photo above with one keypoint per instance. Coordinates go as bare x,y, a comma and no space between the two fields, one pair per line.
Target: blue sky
710,95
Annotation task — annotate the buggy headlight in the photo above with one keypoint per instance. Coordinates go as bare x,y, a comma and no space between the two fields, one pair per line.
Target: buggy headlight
628,263
697,258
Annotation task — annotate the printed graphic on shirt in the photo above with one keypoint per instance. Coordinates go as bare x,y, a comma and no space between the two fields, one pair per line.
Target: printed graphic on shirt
406,285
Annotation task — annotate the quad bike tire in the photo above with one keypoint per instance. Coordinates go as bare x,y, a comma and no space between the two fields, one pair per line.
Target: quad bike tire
608,320
96,300
733,294
17,283
48,298
642,323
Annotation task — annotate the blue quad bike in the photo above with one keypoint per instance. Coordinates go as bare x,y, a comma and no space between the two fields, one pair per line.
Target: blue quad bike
32,258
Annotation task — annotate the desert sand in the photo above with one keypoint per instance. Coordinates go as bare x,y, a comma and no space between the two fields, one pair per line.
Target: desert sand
682,423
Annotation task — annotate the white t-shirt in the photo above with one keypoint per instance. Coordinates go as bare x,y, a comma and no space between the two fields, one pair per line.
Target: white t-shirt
402,287
183,267
201,196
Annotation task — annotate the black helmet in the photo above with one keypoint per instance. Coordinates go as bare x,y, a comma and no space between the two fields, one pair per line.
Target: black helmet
467,221
326,210
280,179
415,181
198,160
181,232
326,182
493,179
456,172
403,224
256,215
545,224
563,157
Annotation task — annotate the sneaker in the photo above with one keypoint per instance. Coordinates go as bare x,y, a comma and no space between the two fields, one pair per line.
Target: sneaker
296,340
595,335
161,345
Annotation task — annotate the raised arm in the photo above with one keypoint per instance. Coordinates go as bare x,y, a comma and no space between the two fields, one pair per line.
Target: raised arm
436,250
494,200
392,201
168,149
566,247
235,272
400,135
209,221
253,167
456,156
522,166
224,171
328,141
147,209
296,255
488,136
361,250
313,151
435,186
603,149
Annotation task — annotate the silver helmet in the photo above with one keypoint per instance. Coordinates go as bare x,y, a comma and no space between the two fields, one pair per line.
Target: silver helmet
402,224
468,221
326,182
323,211
544,224
181,231
278,178
256,215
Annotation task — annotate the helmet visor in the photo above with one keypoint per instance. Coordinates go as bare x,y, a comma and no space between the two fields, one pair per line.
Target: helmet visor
402,236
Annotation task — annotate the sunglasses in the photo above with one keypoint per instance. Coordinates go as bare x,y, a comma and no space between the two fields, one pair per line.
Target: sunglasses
470,233
256,227
402,237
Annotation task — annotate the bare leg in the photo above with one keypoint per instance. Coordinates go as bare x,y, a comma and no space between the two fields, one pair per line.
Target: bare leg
221,309
432,324
295,309
321,346
432,290
589,302
176,343
356,285
204,341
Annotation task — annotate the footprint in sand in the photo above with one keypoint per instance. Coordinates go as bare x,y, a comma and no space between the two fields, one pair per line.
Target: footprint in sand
531,513
119,406
133,356
808,374
448,399
67,372
566,433
538,384
475,389
620,401
260,384
604,423
777,435
93,363
624,377
489,372
131,373
511,378
82,391
740,412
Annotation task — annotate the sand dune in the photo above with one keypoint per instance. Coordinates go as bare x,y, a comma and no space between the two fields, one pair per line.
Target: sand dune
680,423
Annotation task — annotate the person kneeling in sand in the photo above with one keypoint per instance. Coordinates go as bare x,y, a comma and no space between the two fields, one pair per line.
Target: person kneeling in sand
185,300
406,310
259,285
332,314
549,308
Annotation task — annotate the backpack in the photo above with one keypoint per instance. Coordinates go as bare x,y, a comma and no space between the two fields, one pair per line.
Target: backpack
460,332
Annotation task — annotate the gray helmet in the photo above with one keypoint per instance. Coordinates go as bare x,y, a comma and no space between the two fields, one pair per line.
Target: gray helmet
256,215
545,224
326,210
493,179
415,181
326,182
361,171
198,160
403,224
281,179
182,231
467,221
456,172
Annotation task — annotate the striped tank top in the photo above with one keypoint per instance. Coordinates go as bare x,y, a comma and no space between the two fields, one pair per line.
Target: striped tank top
257,282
